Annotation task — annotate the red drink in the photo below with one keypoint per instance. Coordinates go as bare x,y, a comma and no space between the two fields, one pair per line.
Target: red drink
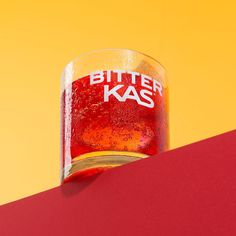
111,118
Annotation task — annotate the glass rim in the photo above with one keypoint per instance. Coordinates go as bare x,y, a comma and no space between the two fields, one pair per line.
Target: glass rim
80,56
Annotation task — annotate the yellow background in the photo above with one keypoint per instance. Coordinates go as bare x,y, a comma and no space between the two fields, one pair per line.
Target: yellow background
195,40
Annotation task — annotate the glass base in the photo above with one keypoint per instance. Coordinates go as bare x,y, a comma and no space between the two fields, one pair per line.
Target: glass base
96,162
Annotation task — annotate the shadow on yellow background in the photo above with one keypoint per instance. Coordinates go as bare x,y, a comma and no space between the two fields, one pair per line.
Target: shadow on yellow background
195,41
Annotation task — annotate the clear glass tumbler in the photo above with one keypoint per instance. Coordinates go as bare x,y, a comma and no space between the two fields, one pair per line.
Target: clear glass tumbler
114,110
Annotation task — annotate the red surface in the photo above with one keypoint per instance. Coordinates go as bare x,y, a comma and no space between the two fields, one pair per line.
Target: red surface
187,191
